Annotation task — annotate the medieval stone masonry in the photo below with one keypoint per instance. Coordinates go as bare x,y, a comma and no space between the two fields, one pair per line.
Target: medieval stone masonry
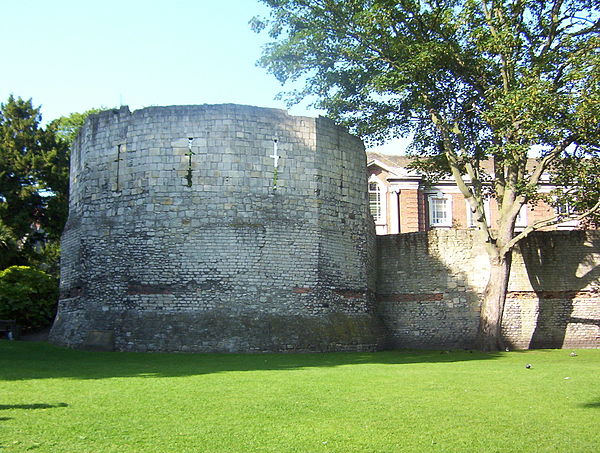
228,228
430,285
216,228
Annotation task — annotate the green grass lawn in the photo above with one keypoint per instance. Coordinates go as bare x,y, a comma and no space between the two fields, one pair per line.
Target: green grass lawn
59,400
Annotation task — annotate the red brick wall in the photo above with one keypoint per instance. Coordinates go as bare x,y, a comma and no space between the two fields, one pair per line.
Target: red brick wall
414,211
409,210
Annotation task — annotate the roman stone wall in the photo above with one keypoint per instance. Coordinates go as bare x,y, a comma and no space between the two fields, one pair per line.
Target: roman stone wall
430,286
184,236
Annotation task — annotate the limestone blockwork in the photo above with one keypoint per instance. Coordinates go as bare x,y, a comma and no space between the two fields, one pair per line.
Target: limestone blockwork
217,228
430,286
228,228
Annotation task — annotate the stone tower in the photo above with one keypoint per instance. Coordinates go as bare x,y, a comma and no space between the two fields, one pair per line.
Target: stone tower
217,228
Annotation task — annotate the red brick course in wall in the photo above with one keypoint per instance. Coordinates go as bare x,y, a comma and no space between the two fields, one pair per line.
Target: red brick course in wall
430,286
411,297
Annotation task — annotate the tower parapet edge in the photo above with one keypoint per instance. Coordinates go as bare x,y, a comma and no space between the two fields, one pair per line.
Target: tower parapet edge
217,228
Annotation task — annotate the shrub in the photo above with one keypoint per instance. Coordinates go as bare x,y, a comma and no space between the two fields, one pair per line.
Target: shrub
28,296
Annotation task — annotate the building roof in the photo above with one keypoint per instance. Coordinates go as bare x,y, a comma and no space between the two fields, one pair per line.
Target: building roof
396,164
389,160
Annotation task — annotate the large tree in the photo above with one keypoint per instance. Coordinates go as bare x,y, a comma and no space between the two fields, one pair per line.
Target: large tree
472,81
67,127
33,182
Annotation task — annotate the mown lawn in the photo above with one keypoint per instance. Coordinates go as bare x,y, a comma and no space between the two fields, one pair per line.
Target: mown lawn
59,400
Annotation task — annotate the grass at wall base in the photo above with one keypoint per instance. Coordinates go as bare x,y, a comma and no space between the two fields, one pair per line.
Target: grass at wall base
59,400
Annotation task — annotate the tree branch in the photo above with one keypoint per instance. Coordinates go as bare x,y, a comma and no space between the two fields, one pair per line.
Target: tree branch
541,167
549,222
474,199
553,27
505,72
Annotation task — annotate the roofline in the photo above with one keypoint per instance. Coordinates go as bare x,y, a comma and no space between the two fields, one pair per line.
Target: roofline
382,165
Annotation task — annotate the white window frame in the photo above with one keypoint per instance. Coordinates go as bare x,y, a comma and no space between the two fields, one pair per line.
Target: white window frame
381,219
567,222
563,209
448,201
521,220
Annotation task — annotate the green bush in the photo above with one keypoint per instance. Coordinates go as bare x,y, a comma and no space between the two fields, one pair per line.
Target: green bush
45,258
28,296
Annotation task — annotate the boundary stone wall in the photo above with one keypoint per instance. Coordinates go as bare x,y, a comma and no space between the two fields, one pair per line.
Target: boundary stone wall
229,228
430,286
183,234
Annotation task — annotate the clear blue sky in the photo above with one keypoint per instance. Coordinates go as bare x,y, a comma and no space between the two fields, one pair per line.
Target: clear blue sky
73,55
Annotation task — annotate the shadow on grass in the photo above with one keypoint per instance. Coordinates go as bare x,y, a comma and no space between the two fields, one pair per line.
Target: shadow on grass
592,405
31,406
26,360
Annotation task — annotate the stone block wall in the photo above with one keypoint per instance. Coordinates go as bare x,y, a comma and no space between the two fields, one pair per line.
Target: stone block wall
184,236
554,291
430,286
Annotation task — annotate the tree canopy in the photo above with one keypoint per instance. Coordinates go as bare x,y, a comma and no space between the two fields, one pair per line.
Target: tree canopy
67,127
33,180
472,81
480,79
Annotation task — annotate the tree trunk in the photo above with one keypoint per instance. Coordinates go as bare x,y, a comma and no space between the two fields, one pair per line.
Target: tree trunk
492,307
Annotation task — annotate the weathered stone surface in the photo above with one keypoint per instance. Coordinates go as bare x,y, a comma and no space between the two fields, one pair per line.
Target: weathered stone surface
430,287
182,234
99,340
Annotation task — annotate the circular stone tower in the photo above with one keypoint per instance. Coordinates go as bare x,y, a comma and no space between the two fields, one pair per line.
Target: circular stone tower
216,228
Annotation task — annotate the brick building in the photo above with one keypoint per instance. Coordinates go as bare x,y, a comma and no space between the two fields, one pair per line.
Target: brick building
401,202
